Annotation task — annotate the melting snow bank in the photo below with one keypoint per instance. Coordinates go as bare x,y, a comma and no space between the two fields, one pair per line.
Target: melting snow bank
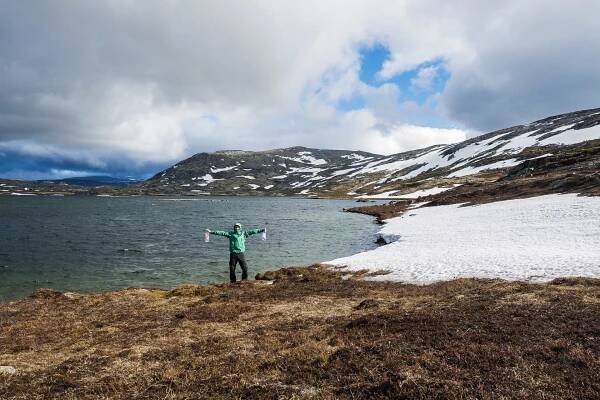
538,238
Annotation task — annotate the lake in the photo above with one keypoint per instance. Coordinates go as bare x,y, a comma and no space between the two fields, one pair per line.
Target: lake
90,244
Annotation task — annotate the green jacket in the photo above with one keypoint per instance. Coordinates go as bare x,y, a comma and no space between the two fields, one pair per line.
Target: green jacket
237,241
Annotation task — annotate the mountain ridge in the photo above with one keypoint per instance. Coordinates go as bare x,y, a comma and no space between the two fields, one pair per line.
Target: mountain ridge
547,149
314,172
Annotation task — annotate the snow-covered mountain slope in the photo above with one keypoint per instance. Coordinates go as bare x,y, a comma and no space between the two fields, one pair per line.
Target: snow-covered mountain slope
499,149
541,146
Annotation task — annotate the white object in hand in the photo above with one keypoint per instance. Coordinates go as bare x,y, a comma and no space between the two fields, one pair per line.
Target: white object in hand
264,234
206,235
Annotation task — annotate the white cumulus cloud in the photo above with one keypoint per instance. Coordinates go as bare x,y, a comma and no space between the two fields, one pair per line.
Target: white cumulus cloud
147,83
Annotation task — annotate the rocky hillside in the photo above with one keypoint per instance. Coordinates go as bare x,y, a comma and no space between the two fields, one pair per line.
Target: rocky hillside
569,141
295,170
556,154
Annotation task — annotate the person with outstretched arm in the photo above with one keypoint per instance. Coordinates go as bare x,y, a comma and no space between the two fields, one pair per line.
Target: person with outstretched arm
237,247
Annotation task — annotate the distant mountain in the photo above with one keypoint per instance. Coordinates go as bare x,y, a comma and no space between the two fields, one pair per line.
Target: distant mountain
86,186
98,180
569,141
290,171
556,154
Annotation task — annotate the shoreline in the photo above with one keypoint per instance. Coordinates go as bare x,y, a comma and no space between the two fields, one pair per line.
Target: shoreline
381,213
199,262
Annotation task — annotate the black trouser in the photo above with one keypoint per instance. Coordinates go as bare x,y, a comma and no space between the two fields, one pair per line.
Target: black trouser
234,258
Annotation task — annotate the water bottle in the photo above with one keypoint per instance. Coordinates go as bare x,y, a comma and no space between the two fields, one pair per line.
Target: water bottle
206,235
264,235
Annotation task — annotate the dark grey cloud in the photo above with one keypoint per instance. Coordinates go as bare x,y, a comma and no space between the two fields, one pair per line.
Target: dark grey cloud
532,60
20,160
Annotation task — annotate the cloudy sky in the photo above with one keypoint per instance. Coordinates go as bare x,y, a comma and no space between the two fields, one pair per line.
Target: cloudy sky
126,87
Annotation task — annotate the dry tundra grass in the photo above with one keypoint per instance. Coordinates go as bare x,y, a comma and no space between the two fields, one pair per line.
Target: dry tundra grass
383,211
308,335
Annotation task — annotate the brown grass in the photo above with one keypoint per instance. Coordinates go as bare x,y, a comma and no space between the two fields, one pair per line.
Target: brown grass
308,335
382,211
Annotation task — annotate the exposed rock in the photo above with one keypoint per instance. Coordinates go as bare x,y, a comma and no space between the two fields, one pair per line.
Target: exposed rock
383,211
7,370
190,290
381,241
571,281
45,293
367,303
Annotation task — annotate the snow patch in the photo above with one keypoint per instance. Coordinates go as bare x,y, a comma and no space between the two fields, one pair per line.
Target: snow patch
306,159
474,170
542,156
356,157
312,170
385,195
342,172
427,192
215,170
573,136
538,238
414,195
208,178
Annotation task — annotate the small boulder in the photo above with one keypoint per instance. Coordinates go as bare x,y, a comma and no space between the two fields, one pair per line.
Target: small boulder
45,293
190,290
7,370
367,303
381,241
